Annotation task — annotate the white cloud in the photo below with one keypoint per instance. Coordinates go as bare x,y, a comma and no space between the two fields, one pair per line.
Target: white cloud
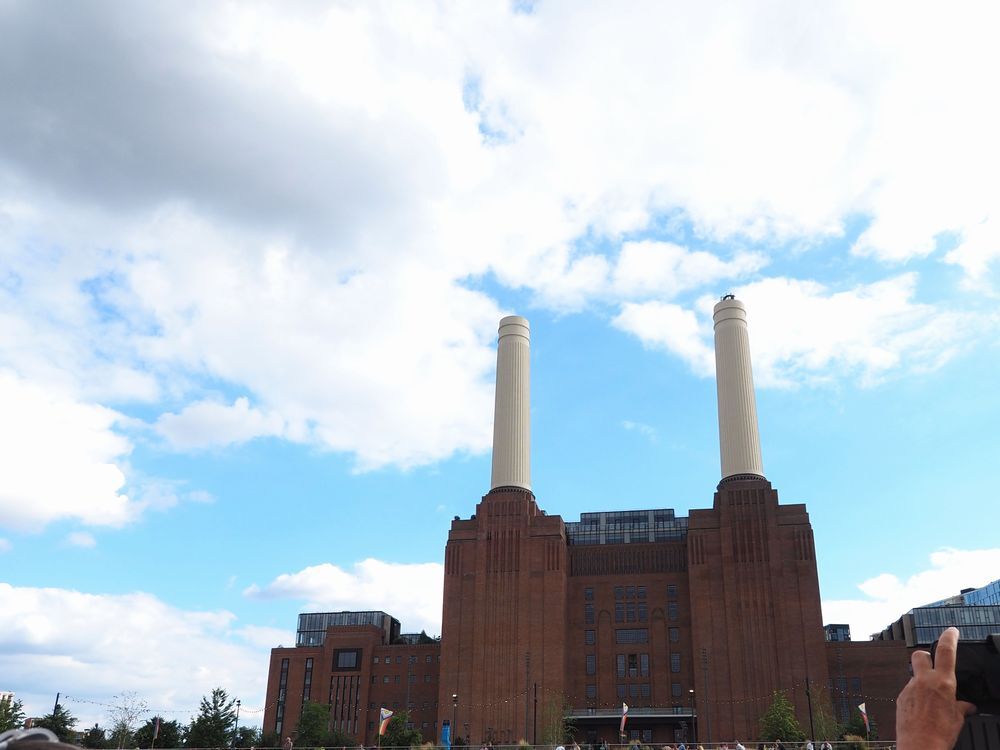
209,423
887,597
671,327
804,331
409,592
5,545
664,269
94,646
325,276
42,429
81,539
265,637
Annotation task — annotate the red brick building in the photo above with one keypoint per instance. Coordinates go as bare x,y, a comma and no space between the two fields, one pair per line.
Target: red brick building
693,622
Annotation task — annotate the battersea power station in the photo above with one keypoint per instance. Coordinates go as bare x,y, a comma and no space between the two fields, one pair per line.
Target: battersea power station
692,622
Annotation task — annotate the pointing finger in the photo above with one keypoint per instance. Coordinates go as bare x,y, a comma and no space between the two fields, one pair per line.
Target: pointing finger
947,650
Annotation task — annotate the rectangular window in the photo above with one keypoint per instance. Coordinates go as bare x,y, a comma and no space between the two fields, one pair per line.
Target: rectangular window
413,660
588,614
591,692
396,679
633,691
346,659
672,611
374,678
591,664
644,665
411,678
671,591
385,679
675,689
643,612
620,612
675,635
675,662
644,690
427,678
620,665
619,592
632,635
588,638
622,691
399,659
633,665
630,612
588,594
630,592
427,658
640,591
374,660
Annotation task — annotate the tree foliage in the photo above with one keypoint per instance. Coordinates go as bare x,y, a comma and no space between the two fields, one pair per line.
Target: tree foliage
779,722
313,729
397,735
60,722
170,734
95,738
247,737
11,714
213,726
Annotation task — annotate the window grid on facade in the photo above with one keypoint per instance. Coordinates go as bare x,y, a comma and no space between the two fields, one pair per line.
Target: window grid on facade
589,637
588,614
675,662
632,635
590,662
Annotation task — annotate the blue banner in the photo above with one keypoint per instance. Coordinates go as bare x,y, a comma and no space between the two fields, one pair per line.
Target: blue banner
446,733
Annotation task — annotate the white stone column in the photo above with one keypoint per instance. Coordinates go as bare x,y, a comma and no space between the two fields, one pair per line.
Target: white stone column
511,425
739,438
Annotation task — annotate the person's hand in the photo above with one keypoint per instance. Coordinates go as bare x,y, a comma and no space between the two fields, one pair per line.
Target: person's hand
928,716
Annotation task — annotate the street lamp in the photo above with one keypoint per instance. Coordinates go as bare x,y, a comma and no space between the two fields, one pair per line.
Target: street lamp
454,720
236,729
694,719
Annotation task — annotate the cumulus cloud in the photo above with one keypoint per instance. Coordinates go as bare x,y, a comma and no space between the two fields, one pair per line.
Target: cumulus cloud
864,332
410,592
647,431
886,596
94,646
313,242
209,423
42,429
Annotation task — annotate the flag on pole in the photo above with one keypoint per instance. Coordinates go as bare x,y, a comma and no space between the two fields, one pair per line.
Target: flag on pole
384,715
864,715
156,727
621,729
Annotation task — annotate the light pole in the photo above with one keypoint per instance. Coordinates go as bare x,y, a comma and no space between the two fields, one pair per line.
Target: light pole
454,715
694,721
236,729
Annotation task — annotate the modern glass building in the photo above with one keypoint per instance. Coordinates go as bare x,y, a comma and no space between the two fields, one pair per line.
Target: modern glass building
313,625
975,612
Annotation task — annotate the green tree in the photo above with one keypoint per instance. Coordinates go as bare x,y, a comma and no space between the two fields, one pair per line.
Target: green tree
168,736
247,737
313,725
779,722
95,738
856,726
11,714
60,722
213,726
397,735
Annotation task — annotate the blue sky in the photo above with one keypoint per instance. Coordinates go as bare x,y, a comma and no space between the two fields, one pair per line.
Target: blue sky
252,260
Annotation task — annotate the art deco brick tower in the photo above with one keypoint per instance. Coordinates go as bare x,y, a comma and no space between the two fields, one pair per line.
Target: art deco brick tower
755,605
504,624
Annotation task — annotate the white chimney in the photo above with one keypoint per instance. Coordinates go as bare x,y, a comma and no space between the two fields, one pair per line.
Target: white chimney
739,438
511,426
